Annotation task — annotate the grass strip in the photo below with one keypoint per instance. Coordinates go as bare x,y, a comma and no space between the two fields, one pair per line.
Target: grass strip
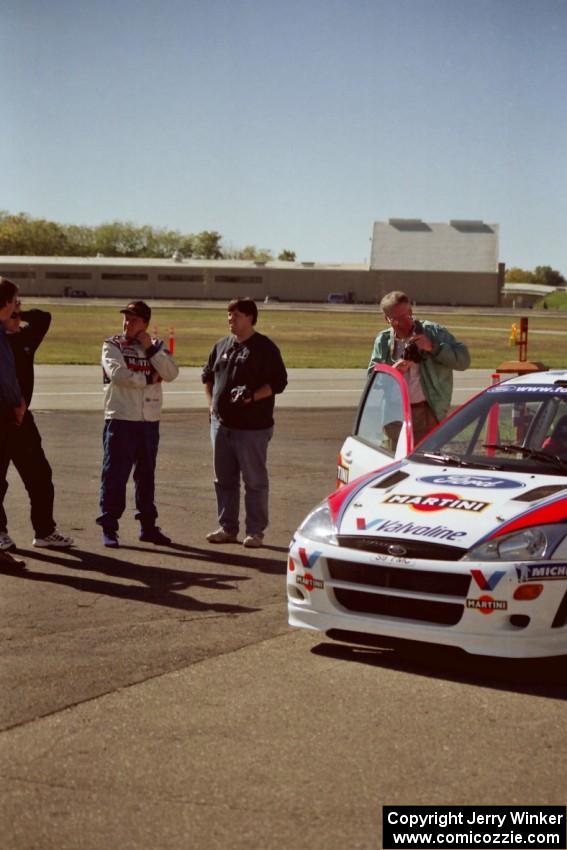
307,339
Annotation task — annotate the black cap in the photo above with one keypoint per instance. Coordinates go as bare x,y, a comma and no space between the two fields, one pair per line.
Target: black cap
138,308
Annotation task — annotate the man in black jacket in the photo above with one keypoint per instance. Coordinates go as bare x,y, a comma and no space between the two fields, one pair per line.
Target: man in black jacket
242,375
25,449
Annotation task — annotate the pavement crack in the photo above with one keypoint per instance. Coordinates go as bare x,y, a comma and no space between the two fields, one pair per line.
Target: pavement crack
91,604
253,641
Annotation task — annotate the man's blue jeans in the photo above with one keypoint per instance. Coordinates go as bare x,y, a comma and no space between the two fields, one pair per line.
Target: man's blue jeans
237,453
128,445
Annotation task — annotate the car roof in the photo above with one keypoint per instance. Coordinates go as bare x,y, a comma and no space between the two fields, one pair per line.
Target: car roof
551,376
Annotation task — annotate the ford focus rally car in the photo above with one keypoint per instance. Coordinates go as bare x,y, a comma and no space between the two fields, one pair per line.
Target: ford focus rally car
461,541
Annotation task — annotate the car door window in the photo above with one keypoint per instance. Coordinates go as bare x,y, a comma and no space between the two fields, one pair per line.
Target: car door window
384,413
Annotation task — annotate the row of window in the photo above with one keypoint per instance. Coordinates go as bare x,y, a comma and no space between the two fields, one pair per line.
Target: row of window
188,278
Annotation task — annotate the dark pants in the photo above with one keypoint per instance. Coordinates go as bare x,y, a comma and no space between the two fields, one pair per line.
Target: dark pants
24,449
5,437
127,446
423,421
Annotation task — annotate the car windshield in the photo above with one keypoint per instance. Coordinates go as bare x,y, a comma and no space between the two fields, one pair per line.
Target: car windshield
514,427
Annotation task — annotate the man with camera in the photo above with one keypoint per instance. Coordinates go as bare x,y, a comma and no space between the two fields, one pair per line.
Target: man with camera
426,354
244,372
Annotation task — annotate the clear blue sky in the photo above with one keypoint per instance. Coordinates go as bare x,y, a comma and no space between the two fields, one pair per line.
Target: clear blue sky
290,125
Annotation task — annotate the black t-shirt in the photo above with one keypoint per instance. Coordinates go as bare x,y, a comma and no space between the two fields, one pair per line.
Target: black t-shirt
24,344
252,363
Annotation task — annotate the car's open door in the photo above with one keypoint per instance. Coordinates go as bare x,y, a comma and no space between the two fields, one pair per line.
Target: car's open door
382,431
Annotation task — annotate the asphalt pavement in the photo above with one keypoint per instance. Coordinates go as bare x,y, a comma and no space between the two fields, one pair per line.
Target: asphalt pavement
154,697
80,388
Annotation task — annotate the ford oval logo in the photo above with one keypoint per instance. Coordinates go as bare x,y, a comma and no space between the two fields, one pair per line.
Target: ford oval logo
476,481
397,551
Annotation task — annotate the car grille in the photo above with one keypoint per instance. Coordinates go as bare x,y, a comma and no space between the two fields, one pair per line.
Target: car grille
560,618
434,583
418,549
380,575
442,613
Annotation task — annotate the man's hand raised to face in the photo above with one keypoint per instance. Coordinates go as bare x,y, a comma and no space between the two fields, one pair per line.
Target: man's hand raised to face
144,338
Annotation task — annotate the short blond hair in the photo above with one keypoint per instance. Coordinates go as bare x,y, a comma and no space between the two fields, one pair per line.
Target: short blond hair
392,299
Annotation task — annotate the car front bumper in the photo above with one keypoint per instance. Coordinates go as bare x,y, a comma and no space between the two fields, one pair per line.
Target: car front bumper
472,606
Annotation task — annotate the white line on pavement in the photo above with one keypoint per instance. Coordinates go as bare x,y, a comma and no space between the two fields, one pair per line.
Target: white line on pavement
198,392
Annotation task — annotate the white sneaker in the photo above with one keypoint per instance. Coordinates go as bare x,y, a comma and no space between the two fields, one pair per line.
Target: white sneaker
54,541
221,536
253,541
6,542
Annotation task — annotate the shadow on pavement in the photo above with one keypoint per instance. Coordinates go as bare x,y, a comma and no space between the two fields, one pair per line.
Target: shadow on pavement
162,585
540,677
272,566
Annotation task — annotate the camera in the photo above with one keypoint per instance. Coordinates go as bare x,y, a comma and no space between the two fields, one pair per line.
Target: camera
411,351
240,395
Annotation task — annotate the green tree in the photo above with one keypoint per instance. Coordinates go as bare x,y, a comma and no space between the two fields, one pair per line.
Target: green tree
517,275
80,241
287,256
247,253
207,245
12,234
259,255
120,239
124,239
167,242
158,243
22,235
548,276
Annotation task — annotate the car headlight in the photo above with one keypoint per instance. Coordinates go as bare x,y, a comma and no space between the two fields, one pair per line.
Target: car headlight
319,525
529,544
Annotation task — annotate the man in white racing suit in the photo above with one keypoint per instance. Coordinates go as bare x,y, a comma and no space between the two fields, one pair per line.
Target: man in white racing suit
134,366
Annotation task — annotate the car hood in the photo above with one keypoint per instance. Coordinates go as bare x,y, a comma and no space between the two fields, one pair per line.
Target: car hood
443,505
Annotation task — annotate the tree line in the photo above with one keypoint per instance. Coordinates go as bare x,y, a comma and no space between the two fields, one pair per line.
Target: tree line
23,235
541,274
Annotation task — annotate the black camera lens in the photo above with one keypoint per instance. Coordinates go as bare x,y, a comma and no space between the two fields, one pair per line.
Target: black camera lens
412,352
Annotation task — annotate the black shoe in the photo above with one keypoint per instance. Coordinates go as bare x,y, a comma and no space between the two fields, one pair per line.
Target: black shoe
110,538
154,535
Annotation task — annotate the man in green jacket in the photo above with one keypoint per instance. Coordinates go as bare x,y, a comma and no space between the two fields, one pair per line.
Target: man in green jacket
426,354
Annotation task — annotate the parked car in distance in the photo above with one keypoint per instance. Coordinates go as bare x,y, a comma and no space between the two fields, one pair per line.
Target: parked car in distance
340,298
75,293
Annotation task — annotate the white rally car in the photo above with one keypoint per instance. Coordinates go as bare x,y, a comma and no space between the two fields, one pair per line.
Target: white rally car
461,542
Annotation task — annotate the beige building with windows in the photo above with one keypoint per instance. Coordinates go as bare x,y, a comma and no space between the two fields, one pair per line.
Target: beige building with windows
455,263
